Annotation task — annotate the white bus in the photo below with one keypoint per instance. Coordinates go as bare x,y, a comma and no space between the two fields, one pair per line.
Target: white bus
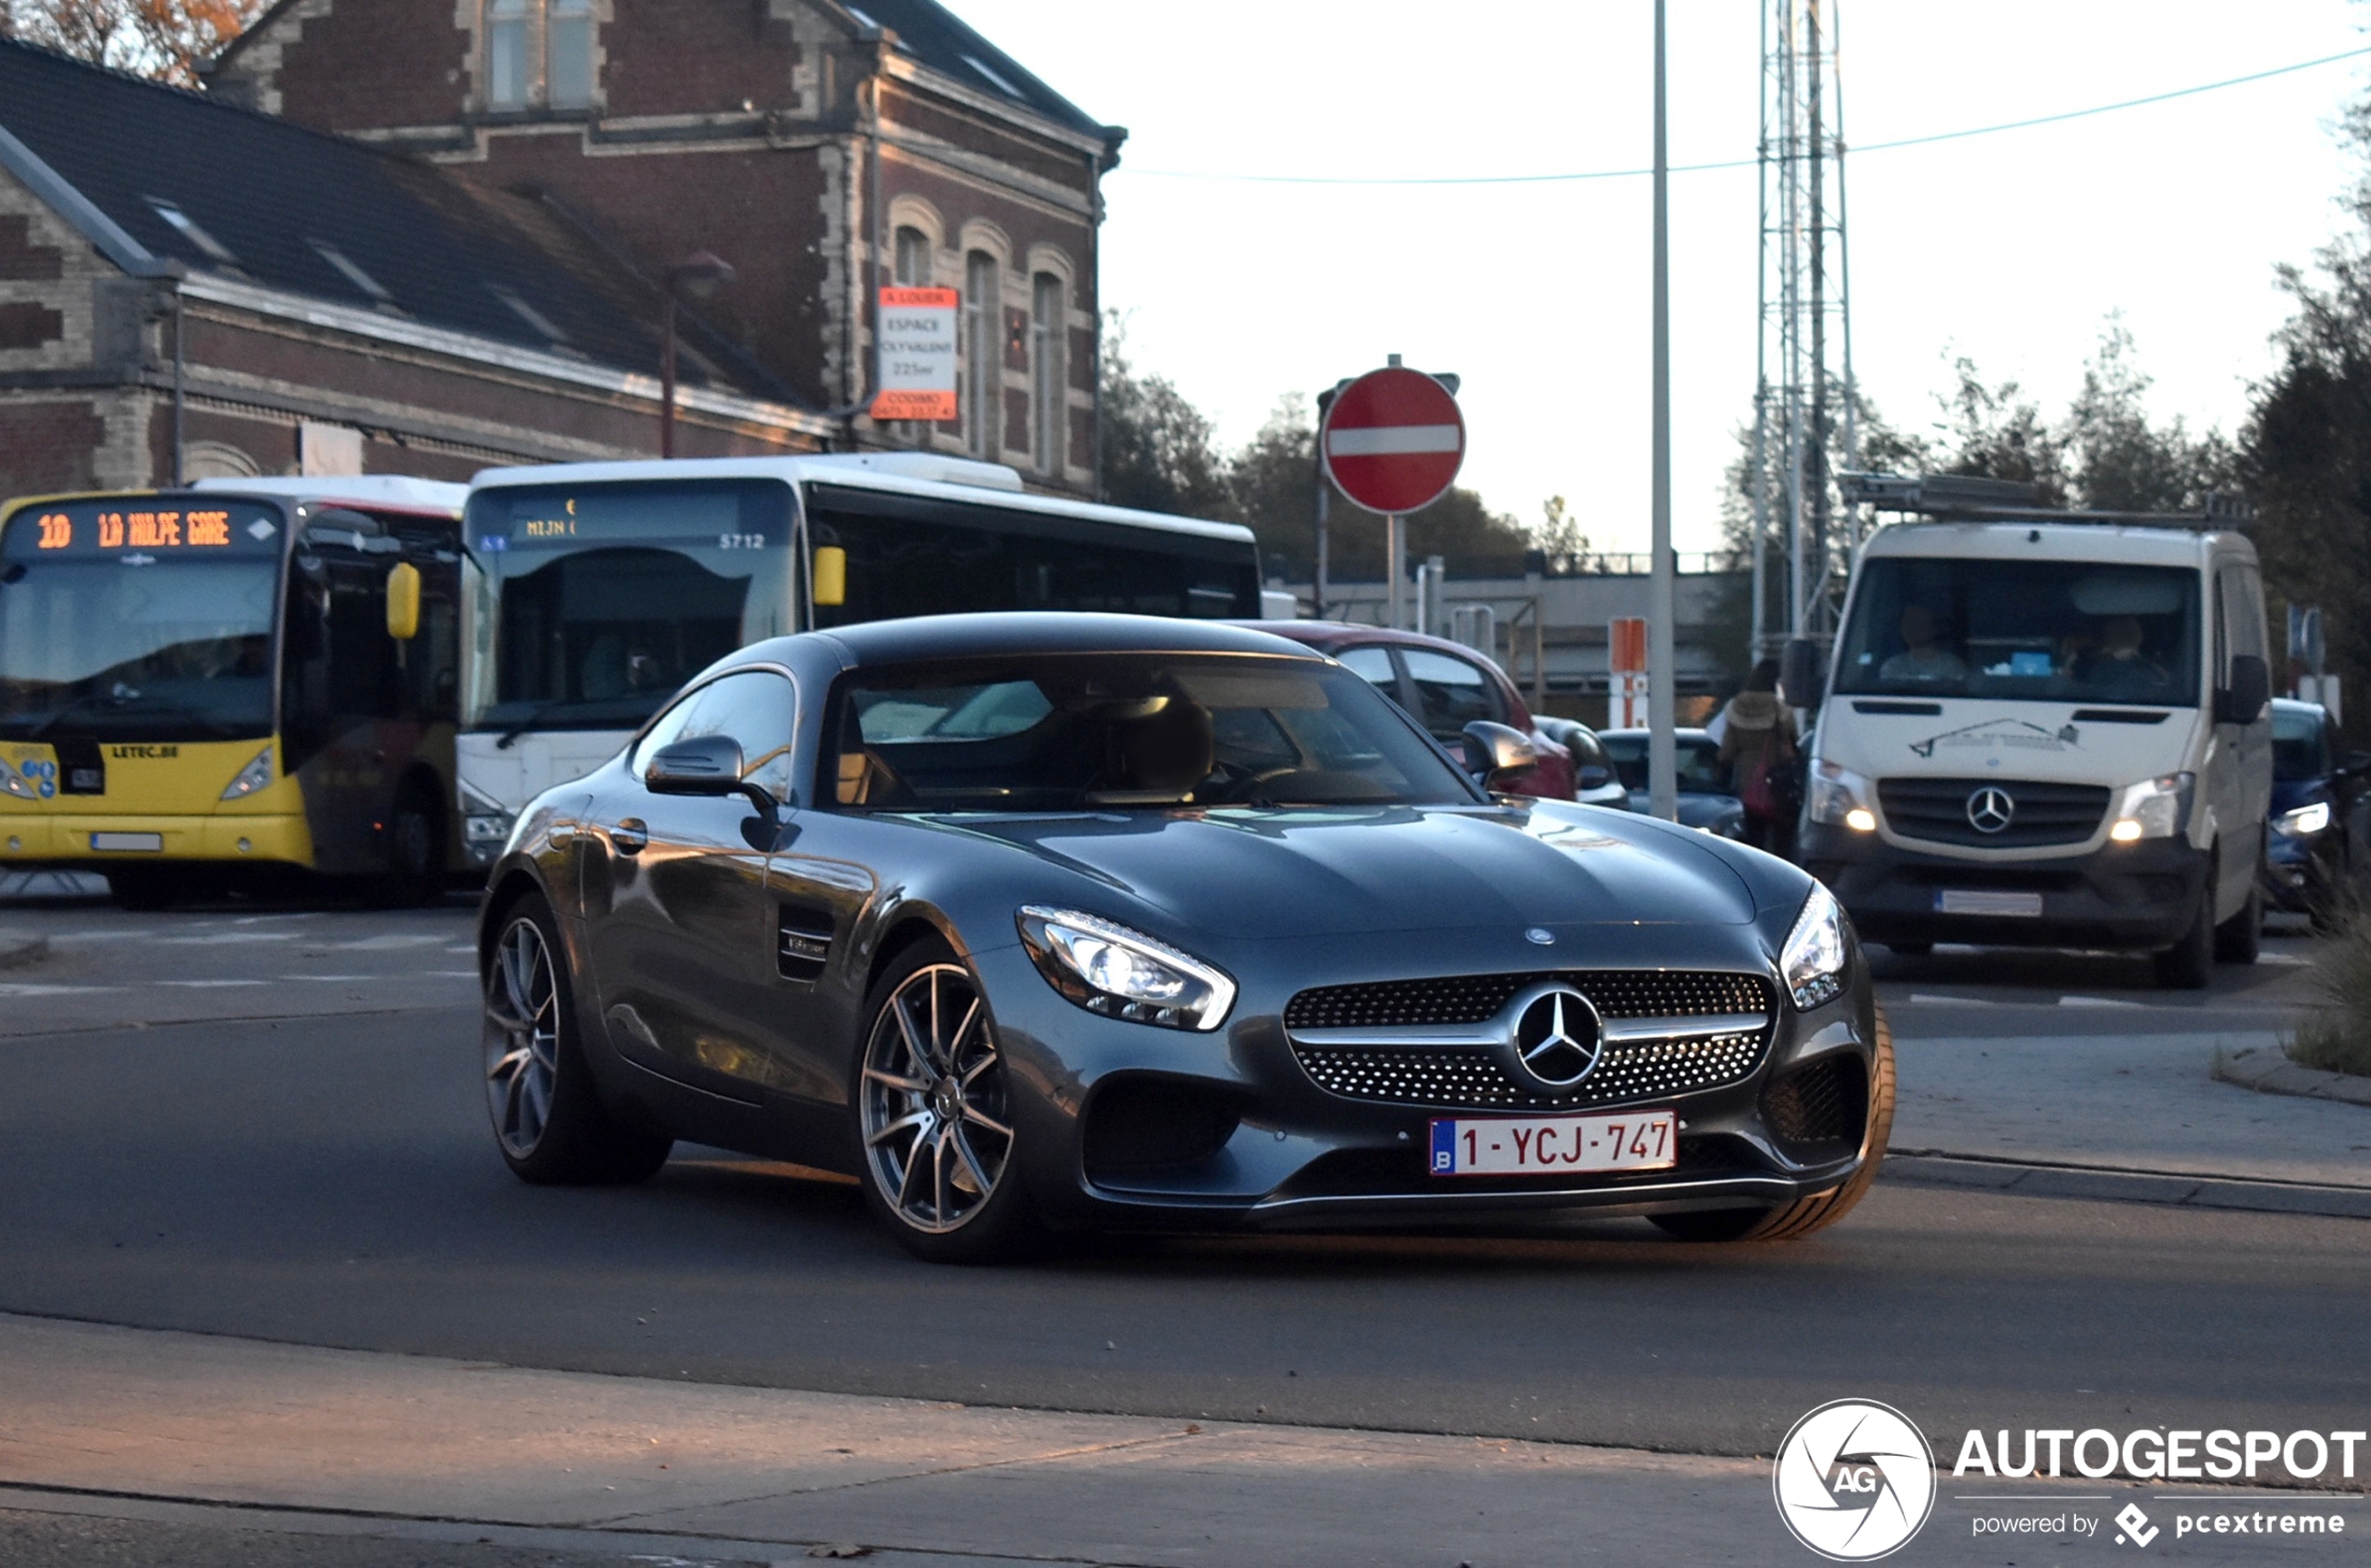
593,591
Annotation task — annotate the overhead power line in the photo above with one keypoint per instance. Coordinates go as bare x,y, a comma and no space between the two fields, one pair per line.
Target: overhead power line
1748,162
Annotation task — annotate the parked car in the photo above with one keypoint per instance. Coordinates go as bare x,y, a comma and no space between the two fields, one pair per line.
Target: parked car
1447,686
1081,921
2315,850
1594,781
1705,800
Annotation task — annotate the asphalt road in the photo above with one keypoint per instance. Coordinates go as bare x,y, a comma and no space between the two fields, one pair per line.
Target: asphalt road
305,1158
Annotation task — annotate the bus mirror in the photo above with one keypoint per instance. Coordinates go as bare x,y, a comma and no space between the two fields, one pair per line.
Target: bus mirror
830,576
403,602
1803,673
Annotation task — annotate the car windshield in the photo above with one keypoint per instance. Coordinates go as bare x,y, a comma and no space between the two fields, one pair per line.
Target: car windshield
593,605
128,618
1698,757
2058,631
2296,745
1127,731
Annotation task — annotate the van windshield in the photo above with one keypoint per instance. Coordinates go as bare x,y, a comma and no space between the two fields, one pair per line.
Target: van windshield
2055,631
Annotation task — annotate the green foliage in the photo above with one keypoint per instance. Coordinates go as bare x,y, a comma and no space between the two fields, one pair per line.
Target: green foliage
2335,1034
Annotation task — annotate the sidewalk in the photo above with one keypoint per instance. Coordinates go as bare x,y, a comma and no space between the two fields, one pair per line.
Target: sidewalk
185,1430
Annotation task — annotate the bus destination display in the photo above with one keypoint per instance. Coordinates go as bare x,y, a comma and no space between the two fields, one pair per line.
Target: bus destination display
123,524
719,515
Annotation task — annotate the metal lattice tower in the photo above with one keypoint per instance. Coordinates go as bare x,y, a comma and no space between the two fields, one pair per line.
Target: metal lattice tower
1804,427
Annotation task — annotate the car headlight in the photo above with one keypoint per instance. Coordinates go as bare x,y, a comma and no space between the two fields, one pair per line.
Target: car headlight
1106,967
1841,798
254,776
2153,808
1813,959
2304,822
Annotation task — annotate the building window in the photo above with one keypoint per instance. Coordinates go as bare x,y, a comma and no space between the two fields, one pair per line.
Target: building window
1049,403
568,71
913,258
985,379
538,52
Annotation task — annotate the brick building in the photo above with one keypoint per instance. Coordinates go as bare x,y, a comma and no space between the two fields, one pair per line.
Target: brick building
428,235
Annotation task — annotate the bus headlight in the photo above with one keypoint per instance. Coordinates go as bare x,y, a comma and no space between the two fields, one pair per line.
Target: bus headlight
254,776
1840,797
1813,959
14,783
2153,808
2304,822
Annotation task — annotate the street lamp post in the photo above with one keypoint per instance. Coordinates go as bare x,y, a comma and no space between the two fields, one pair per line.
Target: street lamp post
699,275
1662,676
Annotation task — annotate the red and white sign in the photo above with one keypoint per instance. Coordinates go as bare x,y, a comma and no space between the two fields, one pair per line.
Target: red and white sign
1393,441
918,354
1626,663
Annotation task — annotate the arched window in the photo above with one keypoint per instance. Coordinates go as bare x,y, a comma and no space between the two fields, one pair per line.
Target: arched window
913,258
984,374
1049,402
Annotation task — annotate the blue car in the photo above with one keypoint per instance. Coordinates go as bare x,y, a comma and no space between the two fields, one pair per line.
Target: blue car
2315,847
1705,800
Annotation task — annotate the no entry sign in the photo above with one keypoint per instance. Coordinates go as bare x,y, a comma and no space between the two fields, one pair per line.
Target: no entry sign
1393,441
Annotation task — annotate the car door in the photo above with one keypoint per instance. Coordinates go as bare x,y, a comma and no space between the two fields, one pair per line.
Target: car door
684,931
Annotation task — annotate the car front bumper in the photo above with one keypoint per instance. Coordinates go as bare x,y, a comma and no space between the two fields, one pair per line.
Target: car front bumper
1265,1146
2141,896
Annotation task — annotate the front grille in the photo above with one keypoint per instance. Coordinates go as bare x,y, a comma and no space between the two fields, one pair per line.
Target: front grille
1468,1077
1936,810
1470,999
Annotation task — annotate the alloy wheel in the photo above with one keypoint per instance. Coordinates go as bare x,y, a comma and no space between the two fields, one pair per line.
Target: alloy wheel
522,1036
934,1108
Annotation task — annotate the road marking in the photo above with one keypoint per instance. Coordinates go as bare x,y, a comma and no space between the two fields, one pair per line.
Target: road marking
2284,959
206,985
2097,1001
452,973
381,944
1952,1000
223,937
52,990
340,978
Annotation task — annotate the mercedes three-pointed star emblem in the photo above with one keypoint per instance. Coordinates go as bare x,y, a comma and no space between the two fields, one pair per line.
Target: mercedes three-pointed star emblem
1557,1038
1990,809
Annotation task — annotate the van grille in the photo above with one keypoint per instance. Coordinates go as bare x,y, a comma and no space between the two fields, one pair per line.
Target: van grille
1936,810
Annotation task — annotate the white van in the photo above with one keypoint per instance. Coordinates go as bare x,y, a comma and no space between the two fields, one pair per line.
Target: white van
2047,732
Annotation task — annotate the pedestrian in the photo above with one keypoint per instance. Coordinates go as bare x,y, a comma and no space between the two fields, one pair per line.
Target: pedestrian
1758,747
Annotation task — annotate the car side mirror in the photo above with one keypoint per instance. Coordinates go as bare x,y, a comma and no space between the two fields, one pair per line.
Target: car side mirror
708,766
1802,671
1592,778
2250,688
1503,749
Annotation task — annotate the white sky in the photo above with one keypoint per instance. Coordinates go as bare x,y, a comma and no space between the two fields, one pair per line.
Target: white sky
2013,249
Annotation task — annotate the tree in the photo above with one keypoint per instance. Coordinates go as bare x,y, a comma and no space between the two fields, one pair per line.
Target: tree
1157,448
166,39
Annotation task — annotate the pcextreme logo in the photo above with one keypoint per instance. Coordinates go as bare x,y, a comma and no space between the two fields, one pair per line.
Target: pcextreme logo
1854,1481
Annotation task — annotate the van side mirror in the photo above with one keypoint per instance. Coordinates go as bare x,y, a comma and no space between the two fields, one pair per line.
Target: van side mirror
1803,670
706,765
2243,701
1502,749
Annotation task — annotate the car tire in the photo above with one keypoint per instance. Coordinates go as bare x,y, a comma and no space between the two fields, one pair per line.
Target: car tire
2189,963
2241,939
1820,1209
549,1119
932,1108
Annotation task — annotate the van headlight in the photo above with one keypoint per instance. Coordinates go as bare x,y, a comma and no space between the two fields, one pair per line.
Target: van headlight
2153,808
2304,822
1813,959
1106,967
1840,797
256,775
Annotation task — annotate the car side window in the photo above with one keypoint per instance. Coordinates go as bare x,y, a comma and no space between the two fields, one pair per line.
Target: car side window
1451,693
757,708
1373,665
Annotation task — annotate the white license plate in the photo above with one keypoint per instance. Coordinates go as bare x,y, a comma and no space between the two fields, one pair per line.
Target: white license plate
101,842
1981,901
1556,1145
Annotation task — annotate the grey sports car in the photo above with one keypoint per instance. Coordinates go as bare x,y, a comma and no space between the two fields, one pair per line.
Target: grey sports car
1041,922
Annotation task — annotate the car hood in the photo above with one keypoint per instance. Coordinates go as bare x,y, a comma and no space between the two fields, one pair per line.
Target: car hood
1262,874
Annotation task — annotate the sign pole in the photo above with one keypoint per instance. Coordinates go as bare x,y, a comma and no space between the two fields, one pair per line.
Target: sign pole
1663,795
1396,533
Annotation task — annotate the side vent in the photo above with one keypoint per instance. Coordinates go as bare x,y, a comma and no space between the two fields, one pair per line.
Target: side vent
806,943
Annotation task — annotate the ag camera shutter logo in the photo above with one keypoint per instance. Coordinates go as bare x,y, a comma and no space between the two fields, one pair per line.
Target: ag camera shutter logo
1854,1481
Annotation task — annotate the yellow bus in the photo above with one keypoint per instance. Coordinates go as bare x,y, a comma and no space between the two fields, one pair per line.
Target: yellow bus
245,685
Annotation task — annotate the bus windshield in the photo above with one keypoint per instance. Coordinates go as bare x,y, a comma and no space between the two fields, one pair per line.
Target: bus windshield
132,617
2056,631
917,556
594,604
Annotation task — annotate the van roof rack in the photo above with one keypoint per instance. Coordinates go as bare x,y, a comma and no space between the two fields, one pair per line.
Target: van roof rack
1971,499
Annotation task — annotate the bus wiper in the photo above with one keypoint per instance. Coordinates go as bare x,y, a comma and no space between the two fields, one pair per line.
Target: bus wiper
42,728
